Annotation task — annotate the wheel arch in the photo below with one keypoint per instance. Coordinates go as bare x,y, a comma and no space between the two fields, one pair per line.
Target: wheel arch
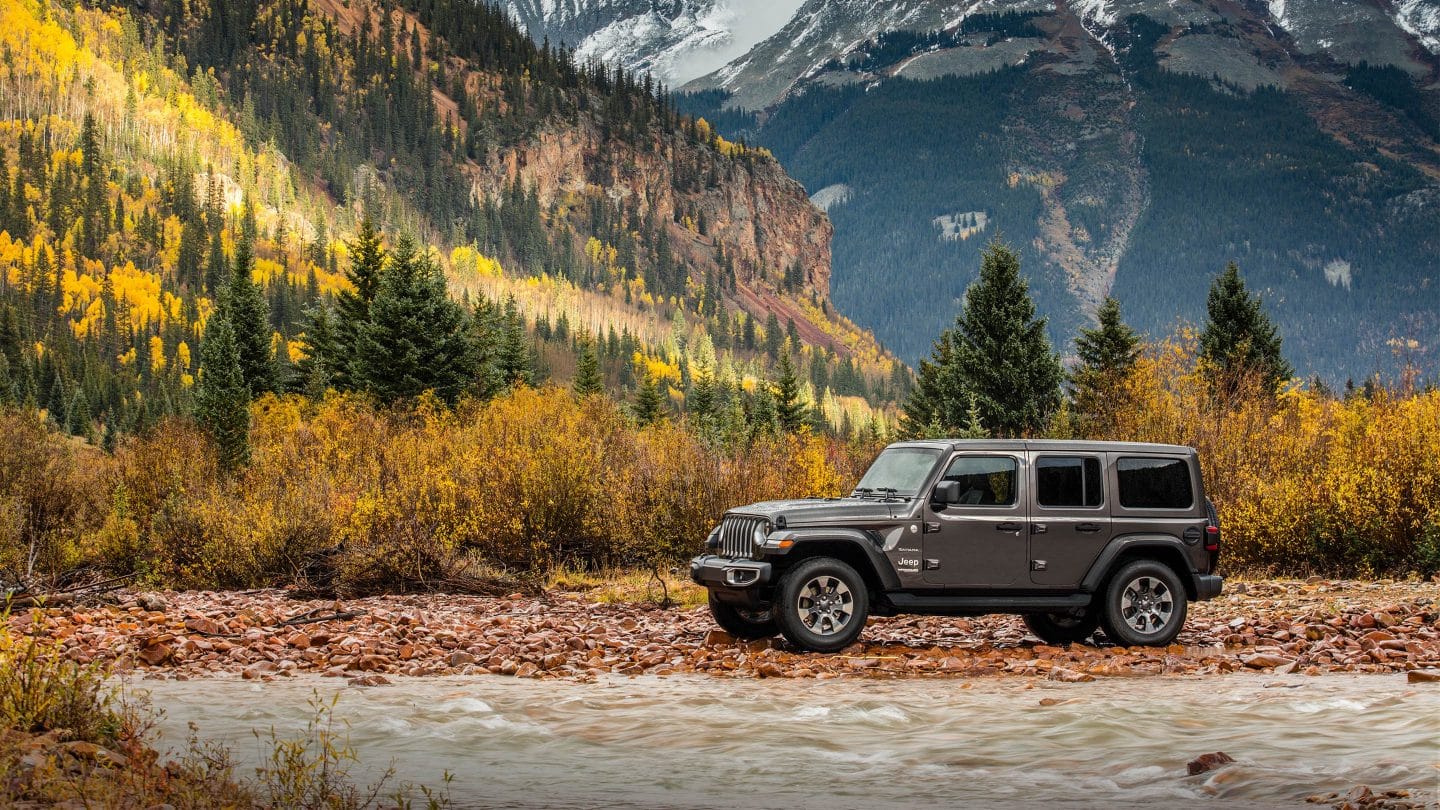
1163,549
855,549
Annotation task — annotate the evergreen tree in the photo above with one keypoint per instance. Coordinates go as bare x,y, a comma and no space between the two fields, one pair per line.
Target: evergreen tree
587,380
244,306
222,399
790,412
217,267
1108,354
649,406
925,412
417,338
7,383
352,307
514,360
1239,340
315,373
97,196
774,338
1001,354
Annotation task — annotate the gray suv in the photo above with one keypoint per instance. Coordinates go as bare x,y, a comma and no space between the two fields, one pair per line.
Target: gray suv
1073,536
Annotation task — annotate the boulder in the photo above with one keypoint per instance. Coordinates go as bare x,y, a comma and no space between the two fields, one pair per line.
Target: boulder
1208,762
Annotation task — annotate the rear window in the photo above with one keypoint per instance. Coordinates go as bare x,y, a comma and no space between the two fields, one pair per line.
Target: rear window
1068,481
984,480
1154,483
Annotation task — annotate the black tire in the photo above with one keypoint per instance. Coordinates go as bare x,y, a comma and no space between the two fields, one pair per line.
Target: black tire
1066,627
745,625
821,605
1145,605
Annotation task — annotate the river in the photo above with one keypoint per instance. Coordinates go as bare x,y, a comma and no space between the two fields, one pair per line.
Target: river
711,742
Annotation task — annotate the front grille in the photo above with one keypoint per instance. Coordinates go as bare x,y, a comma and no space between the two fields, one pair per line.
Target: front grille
737,535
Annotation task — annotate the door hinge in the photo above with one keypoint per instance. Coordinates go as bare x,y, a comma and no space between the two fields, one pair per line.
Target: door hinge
931,565
932,528
1037,565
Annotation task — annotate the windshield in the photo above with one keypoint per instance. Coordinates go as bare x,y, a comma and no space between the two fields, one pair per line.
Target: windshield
899,471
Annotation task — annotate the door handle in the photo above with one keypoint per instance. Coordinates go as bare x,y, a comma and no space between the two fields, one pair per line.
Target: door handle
1087,528
1007,526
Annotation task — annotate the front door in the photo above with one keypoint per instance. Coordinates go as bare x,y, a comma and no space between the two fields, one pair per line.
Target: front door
980,542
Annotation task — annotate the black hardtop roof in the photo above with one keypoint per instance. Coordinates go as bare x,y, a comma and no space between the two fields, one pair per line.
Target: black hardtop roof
1054,445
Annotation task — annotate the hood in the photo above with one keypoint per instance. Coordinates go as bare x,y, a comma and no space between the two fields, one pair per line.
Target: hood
816,511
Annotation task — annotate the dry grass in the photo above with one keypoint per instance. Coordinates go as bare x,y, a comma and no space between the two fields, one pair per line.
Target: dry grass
629,587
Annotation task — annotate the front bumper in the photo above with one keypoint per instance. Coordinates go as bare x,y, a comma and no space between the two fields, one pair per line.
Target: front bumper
1208,586
734,581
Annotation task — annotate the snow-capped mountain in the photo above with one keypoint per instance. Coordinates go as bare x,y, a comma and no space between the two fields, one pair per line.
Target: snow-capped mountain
675,40
1130,147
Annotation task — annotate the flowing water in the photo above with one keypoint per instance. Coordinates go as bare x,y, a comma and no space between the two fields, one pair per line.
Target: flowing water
701,742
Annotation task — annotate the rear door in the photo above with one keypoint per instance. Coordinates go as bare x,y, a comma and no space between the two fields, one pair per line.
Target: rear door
1070,520
980,542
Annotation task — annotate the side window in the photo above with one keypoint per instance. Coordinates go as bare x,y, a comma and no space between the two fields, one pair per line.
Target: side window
1154,483
1068,481
984,480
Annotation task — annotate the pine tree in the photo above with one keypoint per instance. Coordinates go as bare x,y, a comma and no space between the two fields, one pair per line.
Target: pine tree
222,399
418,339
514,361
217,267
97,196
244,306
487,325
1002,355
649,406
1108,354
925,413
774,338
587,380
1239,340
790,412
352,307
315,374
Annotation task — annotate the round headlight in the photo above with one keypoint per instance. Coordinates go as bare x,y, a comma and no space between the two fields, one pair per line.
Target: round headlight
761,533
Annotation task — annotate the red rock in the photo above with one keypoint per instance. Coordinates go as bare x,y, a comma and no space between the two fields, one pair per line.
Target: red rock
156,654
200,624
299,641
716,638
459,659
1423,676
1263,660
1208,762
1069,675
370,680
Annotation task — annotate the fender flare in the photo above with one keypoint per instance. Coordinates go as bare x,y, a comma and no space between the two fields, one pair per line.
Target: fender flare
1139,542
861,541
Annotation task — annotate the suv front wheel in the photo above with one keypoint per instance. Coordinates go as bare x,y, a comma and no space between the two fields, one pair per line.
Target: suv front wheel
821,605
1144,605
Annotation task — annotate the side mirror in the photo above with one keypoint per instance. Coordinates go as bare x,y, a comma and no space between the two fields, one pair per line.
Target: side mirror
945,493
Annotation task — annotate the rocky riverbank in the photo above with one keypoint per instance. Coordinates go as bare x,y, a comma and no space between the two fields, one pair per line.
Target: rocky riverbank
1312,627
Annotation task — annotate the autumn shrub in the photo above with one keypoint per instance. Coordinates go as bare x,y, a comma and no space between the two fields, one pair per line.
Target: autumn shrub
1305,483
51,490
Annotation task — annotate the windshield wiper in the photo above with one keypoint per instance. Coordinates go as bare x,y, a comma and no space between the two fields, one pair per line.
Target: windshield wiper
861,492
891,493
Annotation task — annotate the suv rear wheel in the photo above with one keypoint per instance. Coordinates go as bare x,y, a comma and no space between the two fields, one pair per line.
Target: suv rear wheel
1144,605
1064,628
745,625
821,605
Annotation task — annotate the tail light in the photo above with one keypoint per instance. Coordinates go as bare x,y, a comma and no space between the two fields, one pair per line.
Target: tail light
1212,537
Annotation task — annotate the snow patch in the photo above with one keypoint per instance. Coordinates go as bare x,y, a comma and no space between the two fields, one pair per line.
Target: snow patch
831,196
961,226
1420,19
1338,273
1277,12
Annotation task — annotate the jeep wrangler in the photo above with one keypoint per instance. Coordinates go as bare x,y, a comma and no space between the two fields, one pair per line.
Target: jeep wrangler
1073,536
